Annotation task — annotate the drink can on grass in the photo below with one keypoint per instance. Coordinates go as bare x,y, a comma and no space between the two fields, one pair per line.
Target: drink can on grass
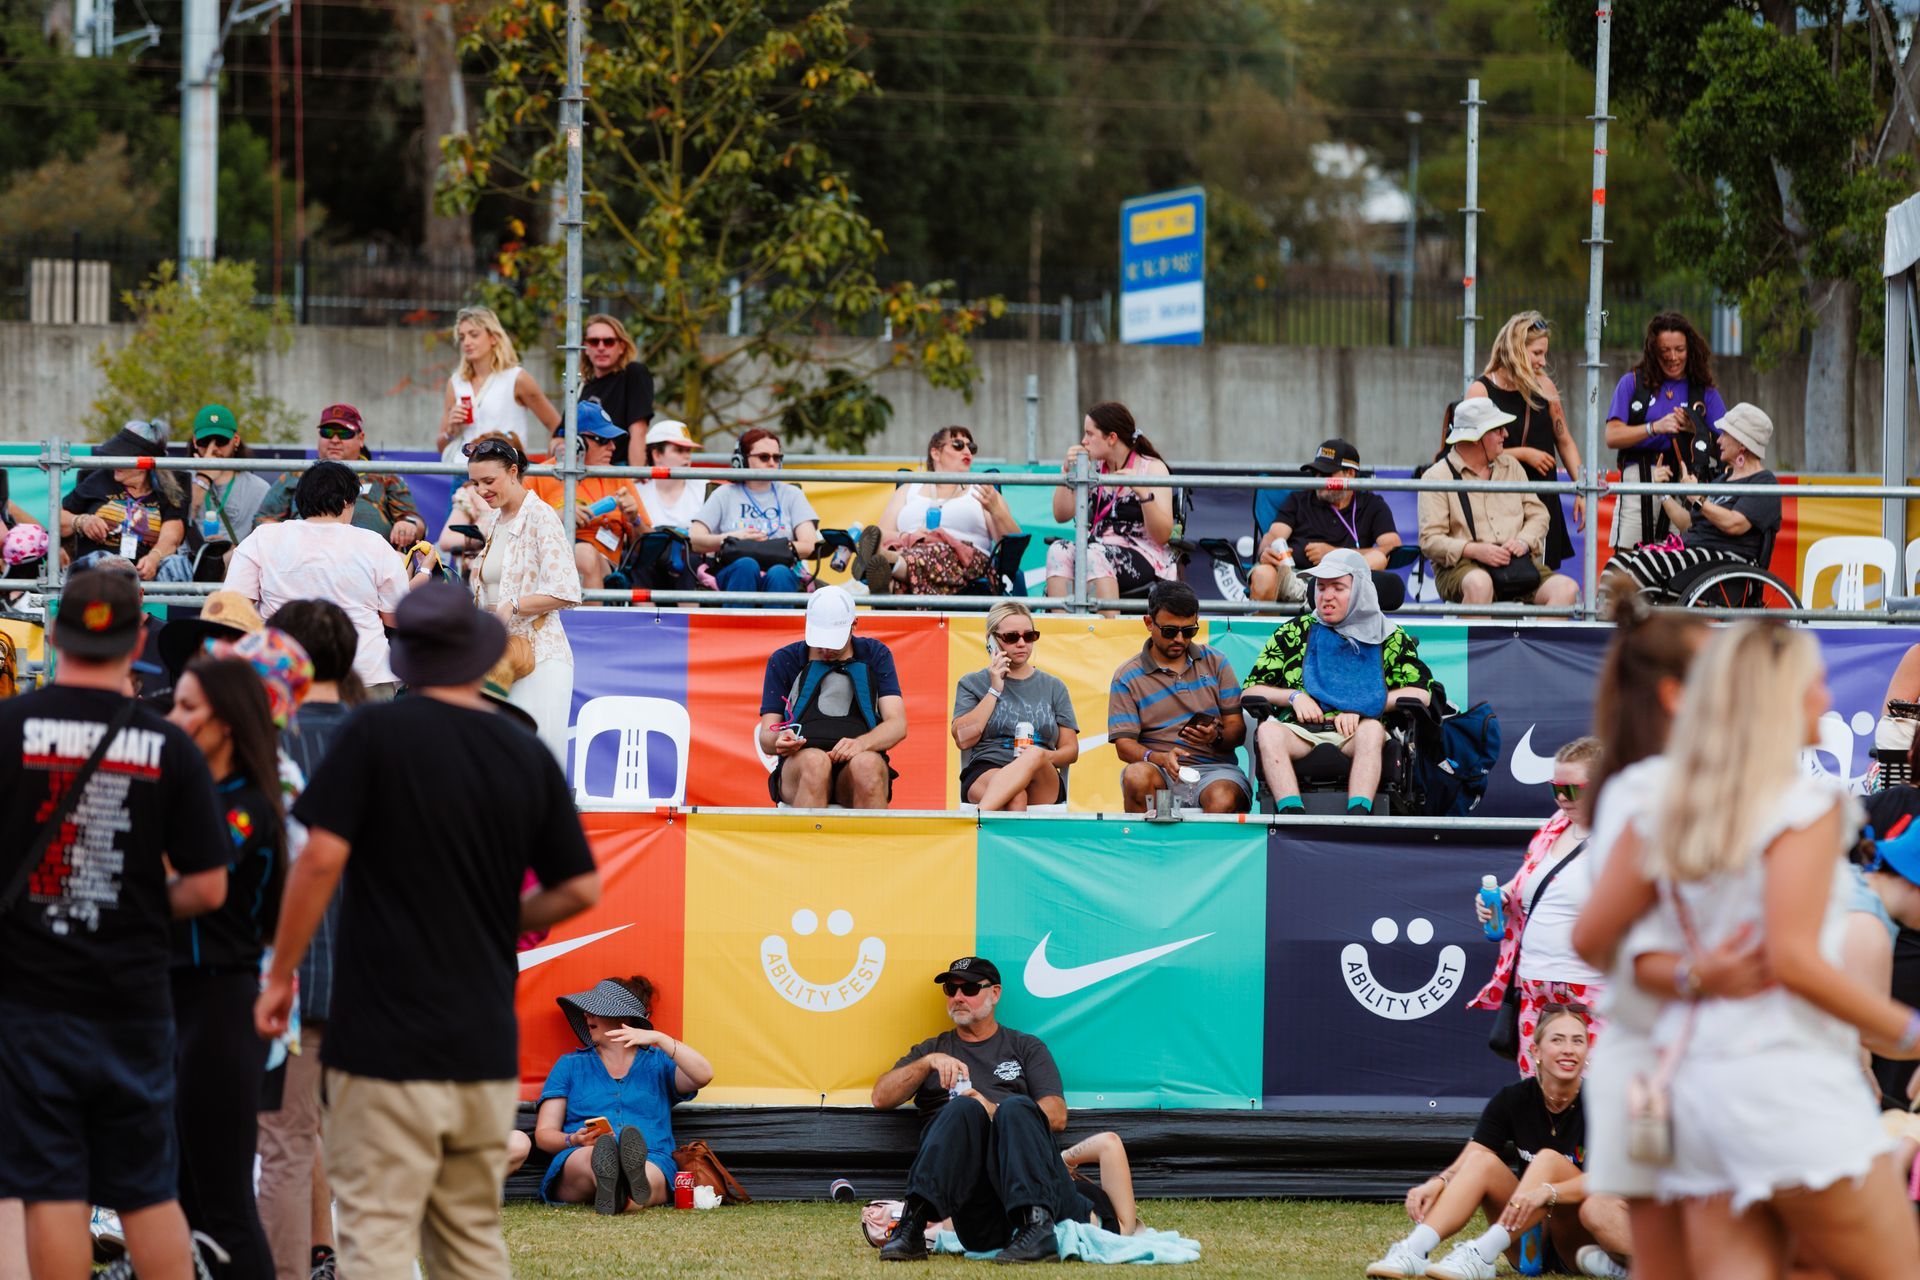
683,1190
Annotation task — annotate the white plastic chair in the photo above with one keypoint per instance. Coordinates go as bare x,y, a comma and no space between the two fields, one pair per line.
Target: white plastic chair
633,719
1913,567
1852,556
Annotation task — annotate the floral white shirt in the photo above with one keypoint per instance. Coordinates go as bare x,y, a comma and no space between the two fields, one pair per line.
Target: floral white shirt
539,561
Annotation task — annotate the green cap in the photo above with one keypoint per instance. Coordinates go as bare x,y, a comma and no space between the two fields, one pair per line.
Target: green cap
215,420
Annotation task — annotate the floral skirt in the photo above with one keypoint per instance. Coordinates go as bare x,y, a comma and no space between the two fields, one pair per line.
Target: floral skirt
939,567
1536,995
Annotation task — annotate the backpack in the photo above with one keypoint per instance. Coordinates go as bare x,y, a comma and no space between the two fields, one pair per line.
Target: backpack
866,698
1454,757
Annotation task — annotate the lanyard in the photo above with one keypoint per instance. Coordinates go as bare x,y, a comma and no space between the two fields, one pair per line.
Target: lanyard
1109,498
1353,526
761,515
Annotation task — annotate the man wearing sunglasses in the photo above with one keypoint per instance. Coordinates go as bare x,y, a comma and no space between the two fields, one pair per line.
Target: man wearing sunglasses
224,503
384,505
990,1099
1176,705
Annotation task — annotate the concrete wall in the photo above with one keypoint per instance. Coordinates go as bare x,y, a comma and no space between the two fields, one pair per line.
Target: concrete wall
1216,403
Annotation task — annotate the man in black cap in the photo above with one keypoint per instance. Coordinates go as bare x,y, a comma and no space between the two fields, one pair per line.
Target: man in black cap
86,904
421,1055
989,1096
1302,525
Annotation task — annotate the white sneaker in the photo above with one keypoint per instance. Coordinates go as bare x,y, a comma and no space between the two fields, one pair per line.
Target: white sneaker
1464,1263
1592,1260
1401,1263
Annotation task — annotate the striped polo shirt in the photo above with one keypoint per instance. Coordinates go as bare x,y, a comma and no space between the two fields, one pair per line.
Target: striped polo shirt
1153,703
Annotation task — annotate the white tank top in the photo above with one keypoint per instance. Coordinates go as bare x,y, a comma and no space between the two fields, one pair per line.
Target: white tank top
494,409
963,517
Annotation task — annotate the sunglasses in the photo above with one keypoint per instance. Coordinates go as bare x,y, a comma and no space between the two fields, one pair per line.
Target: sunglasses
211,442
331,432
480,449
775,458
1542,325
1014,637
965,446
967,989
1567,790
1183,633
602,342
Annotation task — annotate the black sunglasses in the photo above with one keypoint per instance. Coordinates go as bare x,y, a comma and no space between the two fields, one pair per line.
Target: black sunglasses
1542,325
1170,632
967,989
775,458
601,342
968,445
1010,637
479,449
337,433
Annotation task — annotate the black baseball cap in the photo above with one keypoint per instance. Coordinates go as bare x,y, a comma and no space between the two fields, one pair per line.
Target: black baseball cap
970,969
1335,455
99,615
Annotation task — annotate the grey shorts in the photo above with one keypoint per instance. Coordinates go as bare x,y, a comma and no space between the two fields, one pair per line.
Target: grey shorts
1210,774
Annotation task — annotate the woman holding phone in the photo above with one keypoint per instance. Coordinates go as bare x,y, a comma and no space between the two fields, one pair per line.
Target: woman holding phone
1013,723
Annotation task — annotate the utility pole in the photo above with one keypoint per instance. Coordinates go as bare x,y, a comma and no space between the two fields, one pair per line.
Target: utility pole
1413,220
1596,255
202,35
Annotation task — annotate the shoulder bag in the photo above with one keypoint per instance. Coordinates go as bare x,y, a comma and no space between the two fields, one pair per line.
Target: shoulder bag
1650,1097
1504,1039
698,1159
57,819
1515,578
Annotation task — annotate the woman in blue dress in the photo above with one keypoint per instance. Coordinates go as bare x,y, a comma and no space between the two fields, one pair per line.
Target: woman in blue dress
628,1075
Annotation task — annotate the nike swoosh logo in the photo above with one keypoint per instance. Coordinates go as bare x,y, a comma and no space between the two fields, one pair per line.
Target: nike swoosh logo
554,950
1050,983
1526,766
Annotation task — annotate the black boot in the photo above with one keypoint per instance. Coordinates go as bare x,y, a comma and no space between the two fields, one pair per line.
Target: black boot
1034,1241
908,1243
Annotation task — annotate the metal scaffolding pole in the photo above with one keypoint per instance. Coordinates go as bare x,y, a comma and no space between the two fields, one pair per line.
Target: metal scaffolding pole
1413,228
1596,255
1471,310
572,122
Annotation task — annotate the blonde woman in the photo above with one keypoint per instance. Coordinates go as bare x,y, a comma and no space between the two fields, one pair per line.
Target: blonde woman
523,572
1516,380
489,391
998,770
613,375
1777,1138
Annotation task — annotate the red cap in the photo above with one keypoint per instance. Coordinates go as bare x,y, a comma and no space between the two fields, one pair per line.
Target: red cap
344,415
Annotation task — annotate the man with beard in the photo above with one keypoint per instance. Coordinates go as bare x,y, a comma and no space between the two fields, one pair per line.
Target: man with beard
1302,525
1174,708
990,1098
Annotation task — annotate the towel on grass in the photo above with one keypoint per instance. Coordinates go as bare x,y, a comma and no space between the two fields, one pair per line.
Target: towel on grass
1085,1242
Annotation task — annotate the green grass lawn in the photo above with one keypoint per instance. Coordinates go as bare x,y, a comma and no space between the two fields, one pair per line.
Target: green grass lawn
1295,1239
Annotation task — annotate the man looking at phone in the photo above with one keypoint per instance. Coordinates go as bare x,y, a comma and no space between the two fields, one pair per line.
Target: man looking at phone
1176,706
830,710
990,1099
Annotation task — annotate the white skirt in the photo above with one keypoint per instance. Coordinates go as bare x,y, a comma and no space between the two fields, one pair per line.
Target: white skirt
1616,1060
547,696
1784,1118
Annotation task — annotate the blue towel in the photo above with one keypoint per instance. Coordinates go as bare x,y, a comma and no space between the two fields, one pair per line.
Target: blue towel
1345,675
1088,1243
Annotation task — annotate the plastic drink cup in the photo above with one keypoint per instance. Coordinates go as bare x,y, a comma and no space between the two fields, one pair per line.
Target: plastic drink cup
933,519
683,1190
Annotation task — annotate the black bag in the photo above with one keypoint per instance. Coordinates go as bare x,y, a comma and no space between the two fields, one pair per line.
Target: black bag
765,552
57,819
1504,1039
1514,580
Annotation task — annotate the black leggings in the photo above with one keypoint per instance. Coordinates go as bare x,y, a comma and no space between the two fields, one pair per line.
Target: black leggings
219,1068
976,1171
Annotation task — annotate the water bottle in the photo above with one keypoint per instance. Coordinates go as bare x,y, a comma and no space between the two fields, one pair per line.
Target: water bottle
1186,791
933,519
1490,894
843,555
1023,735
604,507
209,524
1532,1259
960,1087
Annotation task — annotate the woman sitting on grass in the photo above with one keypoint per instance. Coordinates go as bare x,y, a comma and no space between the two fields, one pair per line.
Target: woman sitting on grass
606,1107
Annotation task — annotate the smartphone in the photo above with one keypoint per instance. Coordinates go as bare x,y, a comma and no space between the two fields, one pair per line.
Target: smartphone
468,531
993,648
597,1126
1201,719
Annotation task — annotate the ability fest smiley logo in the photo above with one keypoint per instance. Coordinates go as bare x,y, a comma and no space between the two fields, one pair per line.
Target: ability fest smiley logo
1356,967
776,961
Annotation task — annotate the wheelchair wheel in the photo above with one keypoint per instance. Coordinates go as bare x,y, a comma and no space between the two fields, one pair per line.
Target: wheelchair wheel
1738,587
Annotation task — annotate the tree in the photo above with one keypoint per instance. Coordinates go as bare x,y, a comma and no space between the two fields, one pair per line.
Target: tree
705,190
97,195
195,346
1792,153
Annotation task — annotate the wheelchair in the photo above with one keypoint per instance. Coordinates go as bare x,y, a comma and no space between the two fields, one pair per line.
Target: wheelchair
1322,772
1727,585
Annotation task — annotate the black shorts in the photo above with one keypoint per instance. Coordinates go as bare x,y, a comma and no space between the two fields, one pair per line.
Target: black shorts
971,774
86,1109
773,779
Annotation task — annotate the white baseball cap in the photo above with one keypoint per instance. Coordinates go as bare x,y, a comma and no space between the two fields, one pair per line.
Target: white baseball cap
1475,417
829,618
668,431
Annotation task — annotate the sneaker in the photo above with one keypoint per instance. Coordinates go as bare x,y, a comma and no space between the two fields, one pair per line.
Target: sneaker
1401,1263
633,1163
325,1263
109,1241
203,1246
1035,1241
609,1179
1464,1263
1592,1260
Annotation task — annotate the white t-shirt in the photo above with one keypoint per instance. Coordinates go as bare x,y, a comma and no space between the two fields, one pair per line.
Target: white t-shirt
1546,949
678,513
354,568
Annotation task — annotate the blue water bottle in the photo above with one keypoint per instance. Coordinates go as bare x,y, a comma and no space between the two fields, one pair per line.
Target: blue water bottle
1532,1251
604,507
1490,894
933,518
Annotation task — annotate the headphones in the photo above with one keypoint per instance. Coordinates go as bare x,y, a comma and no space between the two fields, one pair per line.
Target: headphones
739,459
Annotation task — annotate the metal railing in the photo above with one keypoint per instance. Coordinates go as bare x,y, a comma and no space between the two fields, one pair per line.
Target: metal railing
56,459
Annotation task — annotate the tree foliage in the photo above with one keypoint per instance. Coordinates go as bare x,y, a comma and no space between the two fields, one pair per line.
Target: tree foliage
195,345
706,188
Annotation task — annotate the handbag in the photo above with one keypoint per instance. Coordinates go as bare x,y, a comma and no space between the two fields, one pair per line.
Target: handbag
1650,1096
1514,578
698,1159
1504,1039
765,552
58,818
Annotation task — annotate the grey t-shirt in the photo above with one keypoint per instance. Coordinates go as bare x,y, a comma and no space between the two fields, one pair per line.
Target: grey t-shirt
1039,699
1762,511
777,513
241,493
1006,1063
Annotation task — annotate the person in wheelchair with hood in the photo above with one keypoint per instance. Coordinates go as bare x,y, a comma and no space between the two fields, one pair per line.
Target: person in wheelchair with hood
1327,678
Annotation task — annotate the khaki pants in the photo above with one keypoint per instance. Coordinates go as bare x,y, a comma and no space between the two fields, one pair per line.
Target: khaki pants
289,1140
417,1167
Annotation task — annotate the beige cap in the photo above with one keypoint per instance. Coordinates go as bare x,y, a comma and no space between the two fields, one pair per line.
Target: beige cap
1748,424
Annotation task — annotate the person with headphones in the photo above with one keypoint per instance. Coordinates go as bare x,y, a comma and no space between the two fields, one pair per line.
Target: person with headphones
760,530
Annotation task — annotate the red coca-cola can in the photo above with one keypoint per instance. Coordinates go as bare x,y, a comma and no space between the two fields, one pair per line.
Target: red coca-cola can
466,408
683,1190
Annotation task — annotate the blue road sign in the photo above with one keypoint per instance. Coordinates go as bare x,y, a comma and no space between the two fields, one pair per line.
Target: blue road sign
1163,267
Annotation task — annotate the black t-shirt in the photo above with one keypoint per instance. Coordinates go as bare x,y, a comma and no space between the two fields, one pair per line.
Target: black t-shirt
89,935
149,511
1762,511
445,808
1312,519
234,935
1518,1114
627,396
1006,1063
